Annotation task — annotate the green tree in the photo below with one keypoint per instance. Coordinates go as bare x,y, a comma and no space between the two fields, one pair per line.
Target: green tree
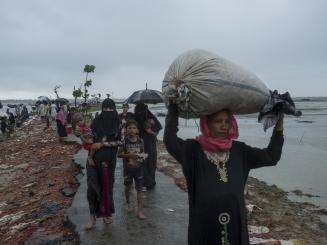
77,93
88,82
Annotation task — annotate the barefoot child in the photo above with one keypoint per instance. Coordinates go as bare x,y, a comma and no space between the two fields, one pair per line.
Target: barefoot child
93,187
132,152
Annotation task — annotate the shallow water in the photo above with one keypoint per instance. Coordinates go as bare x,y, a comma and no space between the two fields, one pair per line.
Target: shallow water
304,160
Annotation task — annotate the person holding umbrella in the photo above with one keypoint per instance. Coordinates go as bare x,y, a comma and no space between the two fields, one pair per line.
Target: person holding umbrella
149,128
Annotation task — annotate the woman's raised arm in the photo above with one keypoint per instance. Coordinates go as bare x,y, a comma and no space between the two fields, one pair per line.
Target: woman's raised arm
269,156
175,145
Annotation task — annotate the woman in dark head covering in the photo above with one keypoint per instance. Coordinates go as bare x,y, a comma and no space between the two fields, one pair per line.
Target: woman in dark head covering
101,171
149,127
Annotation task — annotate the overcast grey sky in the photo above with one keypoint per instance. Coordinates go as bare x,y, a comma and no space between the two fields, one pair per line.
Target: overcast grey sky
44,43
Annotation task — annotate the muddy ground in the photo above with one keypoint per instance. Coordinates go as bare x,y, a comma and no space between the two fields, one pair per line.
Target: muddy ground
166,208
286,220
37,185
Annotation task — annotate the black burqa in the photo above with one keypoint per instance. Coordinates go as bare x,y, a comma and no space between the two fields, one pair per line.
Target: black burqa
105,128
143,116
217,212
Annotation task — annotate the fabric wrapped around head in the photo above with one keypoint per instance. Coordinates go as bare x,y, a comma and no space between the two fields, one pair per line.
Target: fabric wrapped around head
213,144
108,104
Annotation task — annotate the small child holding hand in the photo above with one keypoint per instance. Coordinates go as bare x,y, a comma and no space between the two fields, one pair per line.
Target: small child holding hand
132,152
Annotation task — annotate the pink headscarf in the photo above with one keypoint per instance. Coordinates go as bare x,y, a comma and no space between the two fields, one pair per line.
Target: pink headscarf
61,116
212,144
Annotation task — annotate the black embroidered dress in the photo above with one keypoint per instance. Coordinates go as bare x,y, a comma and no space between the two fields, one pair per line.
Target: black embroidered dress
217,212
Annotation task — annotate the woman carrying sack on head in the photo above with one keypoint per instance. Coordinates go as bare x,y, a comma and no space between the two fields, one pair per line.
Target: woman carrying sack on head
216,168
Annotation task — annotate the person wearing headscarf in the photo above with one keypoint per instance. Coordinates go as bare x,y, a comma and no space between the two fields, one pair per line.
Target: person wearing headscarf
124,117
149,128
216,168
101,168
61,122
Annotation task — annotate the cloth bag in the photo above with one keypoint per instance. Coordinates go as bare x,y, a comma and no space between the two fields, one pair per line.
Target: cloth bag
201,83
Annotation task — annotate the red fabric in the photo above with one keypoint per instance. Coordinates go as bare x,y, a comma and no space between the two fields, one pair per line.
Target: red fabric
69,130
212,144
87,146
83,129
105,205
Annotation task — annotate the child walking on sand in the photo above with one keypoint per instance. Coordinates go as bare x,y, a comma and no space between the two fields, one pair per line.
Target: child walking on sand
132,152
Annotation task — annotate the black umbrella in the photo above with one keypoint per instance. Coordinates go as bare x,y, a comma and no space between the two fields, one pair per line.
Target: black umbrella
147,96
61,101
12,106
42,99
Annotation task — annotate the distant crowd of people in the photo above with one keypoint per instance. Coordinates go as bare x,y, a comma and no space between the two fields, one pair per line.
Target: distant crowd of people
65,117
13,117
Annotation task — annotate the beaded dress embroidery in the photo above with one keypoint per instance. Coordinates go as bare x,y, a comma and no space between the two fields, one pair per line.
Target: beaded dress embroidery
219,159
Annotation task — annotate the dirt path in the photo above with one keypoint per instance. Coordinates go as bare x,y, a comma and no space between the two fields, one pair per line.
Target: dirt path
167,216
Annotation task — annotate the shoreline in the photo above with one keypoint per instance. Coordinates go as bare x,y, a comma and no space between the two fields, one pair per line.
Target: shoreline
35,169
268,206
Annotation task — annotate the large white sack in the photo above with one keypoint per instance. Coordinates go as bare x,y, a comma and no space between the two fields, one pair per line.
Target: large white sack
202,83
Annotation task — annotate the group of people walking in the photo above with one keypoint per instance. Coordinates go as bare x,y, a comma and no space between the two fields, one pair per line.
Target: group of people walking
216,167
130,136
65,117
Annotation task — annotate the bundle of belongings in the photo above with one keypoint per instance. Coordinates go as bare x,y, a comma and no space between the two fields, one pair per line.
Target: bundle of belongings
202,83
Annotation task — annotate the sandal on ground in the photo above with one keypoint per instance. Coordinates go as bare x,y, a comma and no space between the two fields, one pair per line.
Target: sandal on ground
107,220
